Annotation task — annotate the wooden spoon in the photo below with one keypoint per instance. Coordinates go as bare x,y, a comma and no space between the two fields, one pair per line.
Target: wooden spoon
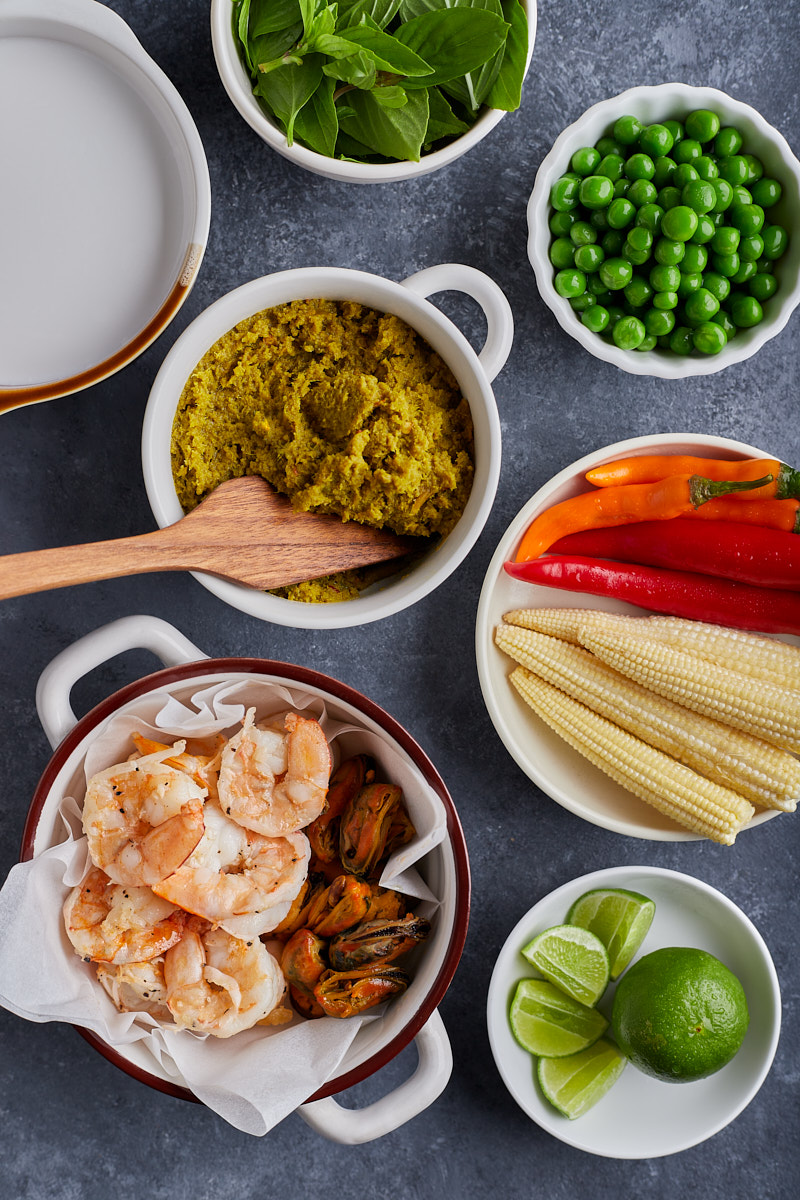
244,531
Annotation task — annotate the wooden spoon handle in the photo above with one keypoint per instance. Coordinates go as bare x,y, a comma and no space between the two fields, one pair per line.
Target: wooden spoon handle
40,570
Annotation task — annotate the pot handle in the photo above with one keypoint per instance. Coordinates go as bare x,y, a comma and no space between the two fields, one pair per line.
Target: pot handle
458,277
352,1127
129,633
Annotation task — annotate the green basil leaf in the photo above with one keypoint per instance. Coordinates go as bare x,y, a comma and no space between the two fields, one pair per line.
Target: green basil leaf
322,26
270,16
454,40
442,121
358,70
273,45
307,10
395,132
381,11
317,124
390,52
352,150
288,88
390,96
506,92
415,8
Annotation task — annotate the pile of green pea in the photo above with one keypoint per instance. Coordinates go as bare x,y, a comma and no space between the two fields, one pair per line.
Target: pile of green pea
661,235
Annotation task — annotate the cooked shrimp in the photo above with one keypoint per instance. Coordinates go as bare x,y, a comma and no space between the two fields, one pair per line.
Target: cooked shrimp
203,768
239,880
143,818
137,987
273,777
220,984
107,922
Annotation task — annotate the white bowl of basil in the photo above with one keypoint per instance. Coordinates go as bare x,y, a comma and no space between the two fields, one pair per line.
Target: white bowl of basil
373,91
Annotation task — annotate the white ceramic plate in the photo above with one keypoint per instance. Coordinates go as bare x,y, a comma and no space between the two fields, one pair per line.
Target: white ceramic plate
105,203
555,767
641,1117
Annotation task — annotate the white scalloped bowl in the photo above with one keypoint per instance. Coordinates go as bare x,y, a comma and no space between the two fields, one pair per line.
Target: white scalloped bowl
237,84
649,104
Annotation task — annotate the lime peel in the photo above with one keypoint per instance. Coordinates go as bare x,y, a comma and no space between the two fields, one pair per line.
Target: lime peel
572,958
574,1084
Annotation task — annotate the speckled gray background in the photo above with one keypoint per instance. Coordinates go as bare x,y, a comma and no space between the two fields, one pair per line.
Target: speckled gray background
71,1125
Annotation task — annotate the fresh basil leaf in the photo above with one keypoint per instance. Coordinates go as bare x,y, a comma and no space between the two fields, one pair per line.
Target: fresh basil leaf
506,92
390,96
273,45
454,41
270,16
442,121
353,151
322,26
317,124
395,132
288,88
391,54
415,8
381,11
357,69
308,9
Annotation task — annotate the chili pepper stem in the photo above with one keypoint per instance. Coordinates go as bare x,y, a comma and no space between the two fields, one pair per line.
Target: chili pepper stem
702,489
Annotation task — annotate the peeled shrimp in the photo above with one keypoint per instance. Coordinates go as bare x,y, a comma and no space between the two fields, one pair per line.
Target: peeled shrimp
137,987
241,881
203,768
143,818
273,777
220,984
107,922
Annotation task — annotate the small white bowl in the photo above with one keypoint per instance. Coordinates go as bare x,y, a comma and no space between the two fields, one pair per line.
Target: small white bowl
237,84
561,772
641,1117
650,104
406,300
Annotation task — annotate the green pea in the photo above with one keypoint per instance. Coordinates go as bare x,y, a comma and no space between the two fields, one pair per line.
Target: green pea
734,169
582,234
659,322
665,168
747,218
751,248
616,273
648,342
706,167
595,285
665,278
656,140
702,124
728,141
595,319
612,243
615,314
598,219
765,266
650,216
725,323
634,254
640,166
562,252
690,282
629,333
746,311
675,128
755,168
611,166
762,287
723,194
584,161
747,270
642,191
705,230
679,223
717,284
680,341
709,338
627,130
564,193
669,197
665,300
687,150
741,195
685,173
701,306
588,258
638,292
725,264
766,192
699,196
776,239
669,252
596,191
560,223
725,240
620,213
570,283
582,302
621,187
694,259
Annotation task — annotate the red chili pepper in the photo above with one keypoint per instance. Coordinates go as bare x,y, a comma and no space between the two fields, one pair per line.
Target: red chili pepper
762,557
679,593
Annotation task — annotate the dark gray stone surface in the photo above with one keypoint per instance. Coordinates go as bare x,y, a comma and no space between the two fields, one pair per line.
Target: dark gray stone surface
72,1125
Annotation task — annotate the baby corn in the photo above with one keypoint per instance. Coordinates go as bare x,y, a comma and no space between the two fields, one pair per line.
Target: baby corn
764,774
751,705
673,789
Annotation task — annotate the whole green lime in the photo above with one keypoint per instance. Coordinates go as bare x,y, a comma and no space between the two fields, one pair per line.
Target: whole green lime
679,1014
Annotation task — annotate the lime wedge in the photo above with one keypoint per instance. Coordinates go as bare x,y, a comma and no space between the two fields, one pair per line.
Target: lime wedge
546,1021
575,1083
573,959
619,918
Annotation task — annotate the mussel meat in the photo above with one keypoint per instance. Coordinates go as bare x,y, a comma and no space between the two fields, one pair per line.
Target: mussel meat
364,826
346,781
347,993
303,963
376,941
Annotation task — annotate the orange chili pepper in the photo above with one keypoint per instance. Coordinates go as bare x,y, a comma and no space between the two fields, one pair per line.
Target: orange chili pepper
648,468
676,496
772,514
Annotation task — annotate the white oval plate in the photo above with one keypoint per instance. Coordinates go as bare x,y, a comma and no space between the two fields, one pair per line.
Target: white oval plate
105,204
554,766
641,1117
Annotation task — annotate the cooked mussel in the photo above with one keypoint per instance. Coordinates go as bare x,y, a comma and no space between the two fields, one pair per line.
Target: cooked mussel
303,963
345,782
364,826
376,941
347,993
